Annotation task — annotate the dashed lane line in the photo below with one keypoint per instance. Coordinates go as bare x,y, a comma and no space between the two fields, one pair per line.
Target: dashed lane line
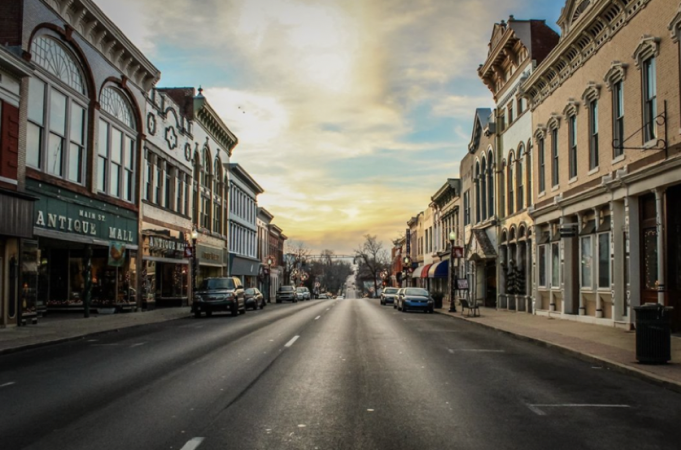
317,318
193,443
7,384
537,408
292,341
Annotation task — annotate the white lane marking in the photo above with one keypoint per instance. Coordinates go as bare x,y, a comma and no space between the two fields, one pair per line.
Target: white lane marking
536,408
137,344
193,443
327,309
290,343
476,350
7,384
317,318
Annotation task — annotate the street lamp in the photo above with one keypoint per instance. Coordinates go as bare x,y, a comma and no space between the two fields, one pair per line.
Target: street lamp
294,275
195,235
406,263
270,261
452,273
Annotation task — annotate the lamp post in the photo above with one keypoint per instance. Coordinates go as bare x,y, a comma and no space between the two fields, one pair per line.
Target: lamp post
294,275
452,273
406,262
270,261
195,235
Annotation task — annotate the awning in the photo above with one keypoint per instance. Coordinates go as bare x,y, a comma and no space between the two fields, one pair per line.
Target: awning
244,266
439,270
417,272
480,247
424,272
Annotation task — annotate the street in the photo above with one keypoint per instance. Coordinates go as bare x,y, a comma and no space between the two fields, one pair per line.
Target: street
323,374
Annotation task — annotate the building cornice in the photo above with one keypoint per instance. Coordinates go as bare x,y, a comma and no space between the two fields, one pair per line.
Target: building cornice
211,122
85,17
598,26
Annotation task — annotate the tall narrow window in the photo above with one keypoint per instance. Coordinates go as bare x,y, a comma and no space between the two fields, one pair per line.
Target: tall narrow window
502,190
593,134
158,182
555,265
179,192
542,266
511,181
572,130
490,186
483,183
519,180
604,260
618,118
477,193
555,180
586,261
649,99
542,166
116,146
167,191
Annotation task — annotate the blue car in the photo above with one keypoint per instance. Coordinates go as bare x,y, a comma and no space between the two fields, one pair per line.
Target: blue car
411,299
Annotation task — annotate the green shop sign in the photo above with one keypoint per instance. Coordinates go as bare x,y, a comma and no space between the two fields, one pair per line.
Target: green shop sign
71,213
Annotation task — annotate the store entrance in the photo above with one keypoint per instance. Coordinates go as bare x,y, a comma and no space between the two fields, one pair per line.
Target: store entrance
171,284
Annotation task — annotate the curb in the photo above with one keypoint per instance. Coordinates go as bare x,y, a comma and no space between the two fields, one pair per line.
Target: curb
618,367
47,343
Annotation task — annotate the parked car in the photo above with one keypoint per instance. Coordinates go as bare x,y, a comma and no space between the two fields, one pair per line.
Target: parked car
254,298
219,294
388,295
415,299
323,296
287,293
303,293
397,295
340,297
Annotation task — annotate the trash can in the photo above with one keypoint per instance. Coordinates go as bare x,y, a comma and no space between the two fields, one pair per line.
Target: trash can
653,334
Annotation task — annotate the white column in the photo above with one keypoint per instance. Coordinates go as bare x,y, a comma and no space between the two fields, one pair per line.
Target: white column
659,219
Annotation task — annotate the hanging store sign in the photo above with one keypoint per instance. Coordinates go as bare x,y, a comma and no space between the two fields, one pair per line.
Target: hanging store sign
164,246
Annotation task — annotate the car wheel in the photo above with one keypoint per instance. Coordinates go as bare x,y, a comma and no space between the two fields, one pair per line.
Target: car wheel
278,301
243,311
197,313
235,309
295,301
209,313
404,309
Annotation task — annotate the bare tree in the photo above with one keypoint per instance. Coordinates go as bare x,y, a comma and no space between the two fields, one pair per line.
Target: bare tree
330,273
372,258
296,257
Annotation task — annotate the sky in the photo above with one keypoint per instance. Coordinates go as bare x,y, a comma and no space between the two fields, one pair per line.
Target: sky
350,114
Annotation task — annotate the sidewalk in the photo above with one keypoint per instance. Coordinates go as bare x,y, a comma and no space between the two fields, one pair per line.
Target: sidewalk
50,331
612,347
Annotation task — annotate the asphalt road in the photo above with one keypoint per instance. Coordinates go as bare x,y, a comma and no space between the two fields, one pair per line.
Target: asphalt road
325,374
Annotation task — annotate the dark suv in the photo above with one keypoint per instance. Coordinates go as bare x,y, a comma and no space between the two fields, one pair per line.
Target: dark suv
219,294
287,293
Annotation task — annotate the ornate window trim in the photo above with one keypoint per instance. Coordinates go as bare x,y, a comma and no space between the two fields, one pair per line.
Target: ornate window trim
554,122
648,47
592,92
540,131
675,26
616,73
571,109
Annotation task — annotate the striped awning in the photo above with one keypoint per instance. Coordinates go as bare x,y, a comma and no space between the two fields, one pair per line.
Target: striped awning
417,272
424,272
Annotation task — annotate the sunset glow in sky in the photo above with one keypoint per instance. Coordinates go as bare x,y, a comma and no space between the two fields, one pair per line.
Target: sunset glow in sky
349,113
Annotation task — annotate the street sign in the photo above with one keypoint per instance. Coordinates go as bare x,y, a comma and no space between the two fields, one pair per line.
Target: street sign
458,252
462,284
188,251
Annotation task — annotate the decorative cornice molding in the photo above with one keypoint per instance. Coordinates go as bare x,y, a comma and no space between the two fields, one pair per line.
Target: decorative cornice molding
675,26
571,108
616,73
592,92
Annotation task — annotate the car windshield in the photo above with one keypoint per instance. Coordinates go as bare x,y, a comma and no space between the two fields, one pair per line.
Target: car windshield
286,288
216,283
249,291
416,291
301,290
390,291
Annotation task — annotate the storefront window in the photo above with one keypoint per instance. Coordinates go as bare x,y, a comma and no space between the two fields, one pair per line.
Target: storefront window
604,260
587,261
30,260
555,265
542,265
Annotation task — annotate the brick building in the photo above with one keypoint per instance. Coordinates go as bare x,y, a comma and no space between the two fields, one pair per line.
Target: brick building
605,109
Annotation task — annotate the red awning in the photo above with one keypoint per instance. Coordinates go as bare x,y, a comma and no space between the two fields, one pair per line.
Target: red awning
424,272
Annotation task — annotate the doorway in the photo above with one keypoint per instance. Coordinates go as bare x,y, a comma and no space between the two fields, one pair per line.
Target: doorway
649,269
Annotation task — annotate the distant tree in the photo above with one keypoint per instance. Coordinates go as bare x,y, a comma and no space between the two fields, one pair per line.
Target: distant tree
330,273
371,259
296,256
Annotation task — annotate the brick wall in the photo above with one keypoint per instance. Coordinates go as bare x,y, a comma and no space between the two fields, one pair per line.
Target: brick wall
10,22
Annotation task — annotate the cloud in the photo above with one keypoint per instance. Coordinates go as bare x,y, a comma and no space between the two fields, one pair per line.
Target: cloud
349,113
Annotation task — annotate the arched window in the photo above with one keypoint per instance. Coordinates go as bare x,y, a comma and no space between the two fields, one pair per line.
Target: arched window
511,182
519,178
57,112
483,183
477,193
528,173
117,146
490,185
205,190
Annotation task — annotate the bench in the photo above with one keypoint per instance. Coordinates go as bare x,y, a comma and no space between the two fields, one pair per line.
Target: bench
472,307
